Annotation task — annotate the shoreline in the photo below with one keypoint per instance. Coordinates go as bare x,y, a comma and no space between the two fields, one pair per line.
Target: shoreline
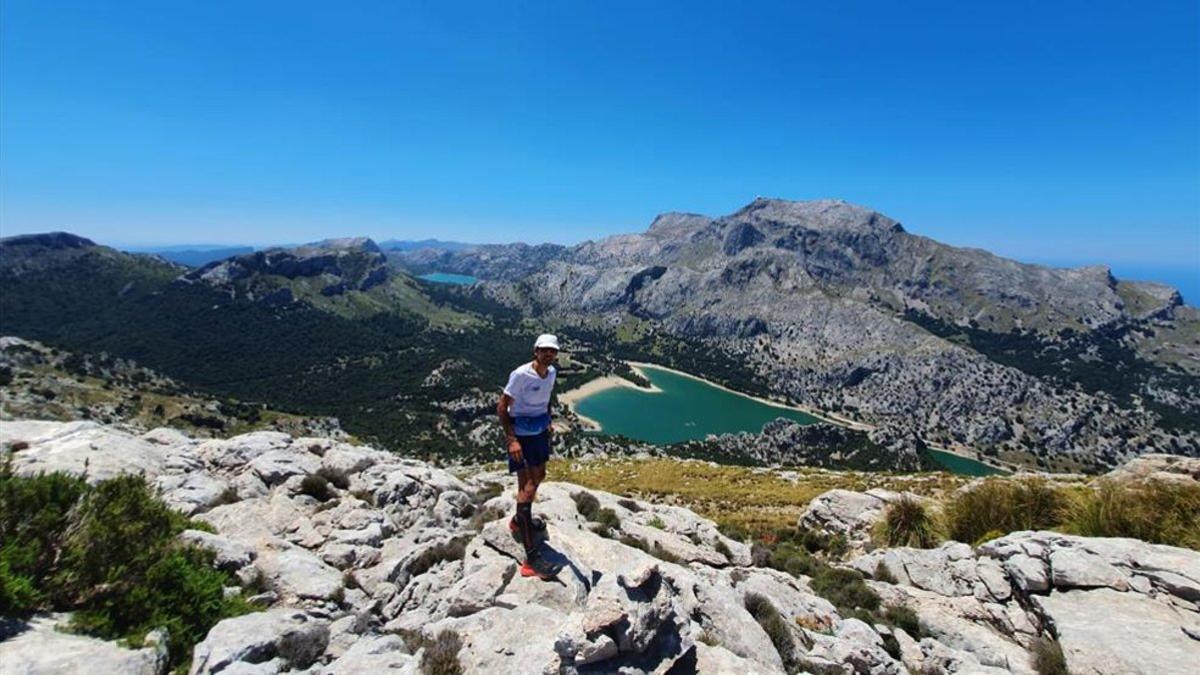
820,415
572,397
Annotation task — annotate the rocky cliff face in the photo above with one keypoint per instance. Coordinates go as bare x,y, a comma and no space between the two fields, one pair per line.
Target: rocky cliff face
399,547
839,307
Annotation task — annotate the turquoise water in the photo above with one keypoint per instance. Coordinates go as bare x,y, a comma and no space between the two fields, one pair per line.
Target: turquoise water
447,278
961,465
686,409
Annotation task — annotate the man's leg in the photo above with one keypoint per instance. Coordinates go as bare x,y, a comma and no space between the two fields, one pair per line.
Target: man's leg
526,492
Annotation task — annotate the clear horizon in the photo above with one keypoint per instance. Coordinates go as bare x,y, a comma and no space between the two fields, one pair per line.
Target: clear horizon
1035,132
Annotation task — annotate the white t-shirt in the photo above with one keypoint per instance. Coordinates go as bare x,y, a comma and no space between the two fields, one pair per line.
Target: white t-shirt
529,391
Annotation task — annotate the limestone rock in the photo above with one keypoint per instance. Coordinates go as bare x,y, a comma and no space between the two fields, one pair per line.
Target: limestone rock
36,647
1106,631
293,636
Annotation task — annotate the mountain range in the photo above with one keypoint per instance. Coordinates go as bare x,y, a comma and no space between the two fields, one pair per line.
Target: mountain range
822,303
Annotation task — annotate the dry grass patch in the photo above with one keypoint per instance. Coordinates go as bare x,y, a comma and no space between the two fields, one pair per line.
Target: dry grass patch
739,499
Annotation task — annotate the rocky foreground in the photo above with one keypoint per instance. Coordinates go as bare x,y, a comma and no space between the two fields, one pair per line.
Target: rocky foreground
397,553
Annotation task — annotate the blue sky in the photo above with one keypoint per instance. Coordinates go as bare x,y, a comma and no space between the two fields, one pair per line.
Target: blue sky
1062,131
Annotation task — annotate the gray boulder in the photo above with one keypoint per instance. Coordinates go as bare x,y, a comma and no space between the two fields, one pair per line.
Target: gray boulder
293,636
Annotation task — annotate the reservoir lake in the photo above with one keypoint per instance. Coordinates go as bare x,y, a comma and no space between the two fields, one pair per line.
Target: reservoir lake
447,278
688,408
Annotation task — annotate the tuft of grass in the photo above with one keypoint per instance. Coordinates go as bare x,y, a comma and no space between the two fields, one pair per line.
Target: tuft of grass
657,522
1160,512
723,548
606,520
485,515
908,522
1048,657
905,618
775,627
451,549
489,491
441,653
1005,505
228,496
586,504
630,504
882,573
317,486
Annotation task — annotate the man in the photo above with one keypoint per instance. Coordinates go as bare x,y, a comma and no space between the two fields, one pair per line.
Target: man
524,411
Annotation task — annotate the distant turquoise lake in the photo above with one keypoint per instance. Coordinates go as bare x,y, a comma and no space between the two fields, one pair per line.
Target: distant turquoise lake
447,278
686,409
690,409
962,465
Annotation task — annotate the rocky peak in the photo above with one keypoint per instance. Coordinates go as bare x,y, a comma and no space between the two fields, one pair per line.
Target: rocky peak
351,244
356,260
675,223
48,240
825,215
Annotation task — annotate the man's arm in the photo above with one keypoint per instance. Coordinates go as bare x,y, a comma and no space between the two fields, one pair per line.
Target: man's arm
505,418
510,437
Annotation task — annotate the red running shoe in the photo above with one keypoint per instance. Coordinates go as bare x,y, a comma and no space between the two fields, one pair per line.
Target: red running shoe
540,568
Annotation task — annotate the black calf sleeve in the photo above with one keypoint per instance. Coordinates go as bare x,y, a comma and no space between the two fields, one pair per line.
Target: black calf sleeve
525,527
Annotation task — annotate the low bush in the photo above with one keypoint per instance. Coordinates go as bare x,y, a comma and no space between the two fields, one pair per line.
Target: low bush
657,522
108,553
845,589
908,522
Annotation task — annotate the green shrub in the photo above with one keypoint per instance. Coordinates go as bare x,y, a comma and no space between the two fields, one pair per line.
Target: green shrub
775,627
1159,512
34,515
657,522
120,530
108,553
1005,505
1048,658
908,522
845,589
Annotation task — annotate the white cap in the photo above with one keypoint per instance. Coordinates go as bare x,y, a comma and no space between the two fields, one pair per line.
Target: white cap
546,340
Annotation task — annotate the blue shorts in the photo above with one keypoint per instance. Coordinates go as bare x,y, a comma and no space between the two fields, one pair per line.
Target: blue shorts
535,451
